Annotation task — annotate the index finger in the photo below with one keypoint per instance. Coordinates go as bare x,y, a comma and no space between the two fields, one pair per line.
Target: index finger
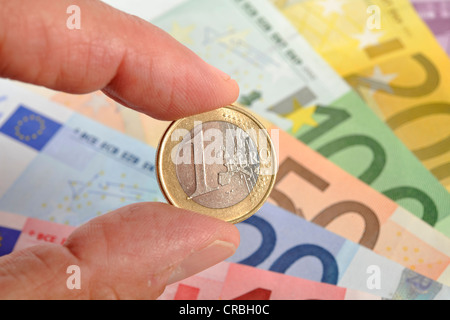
132,61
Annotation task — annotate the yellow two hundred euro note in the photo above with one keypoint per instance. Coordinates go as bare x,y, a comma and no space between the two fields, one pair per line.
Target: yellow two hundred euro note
387,54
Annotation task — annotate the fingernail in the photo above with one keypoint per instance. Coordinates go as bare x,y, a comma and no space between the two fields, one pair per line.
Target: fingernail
200,260
225,76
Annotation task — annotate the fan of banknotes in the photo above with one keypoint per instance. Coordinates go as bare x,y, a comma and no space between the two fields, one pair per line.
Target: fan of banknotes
360,93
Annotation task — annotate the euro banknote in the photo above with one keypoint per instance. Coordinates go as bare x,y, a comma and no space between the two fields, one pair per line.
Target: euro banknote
345,131
60,166
316,254
234,281
285,81
225,281
328,196
30,142
436,14
390,57
379,236
276,240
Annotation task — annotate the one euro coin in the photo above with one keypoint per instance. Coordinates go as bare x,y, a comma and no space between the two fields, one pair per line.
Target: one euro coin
221,163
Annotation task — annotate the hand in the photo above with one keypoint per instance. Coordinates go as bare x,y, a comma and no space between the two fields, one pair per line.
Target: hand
135,251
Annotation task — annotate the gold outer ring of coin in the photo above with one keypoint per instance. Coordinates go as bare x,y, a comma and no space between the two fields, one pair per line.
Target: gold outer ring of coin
173,191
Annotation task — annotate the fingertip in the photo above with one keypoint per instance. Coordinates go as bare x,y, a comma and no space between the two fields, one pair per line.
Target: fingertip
202,259
181,84
149,243
134,62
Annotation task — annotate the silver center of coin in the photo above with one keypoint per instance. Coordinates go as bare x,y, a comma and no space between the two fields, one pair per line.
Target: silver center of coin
223,166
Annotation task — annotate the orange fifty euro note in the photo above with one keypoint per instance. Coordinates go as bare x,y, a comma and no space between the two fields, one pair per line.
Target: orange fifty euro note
389,56
312,187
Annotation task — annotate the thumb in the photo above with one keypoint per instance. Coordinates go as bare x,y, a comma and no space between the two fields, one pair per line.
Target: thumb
131,253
